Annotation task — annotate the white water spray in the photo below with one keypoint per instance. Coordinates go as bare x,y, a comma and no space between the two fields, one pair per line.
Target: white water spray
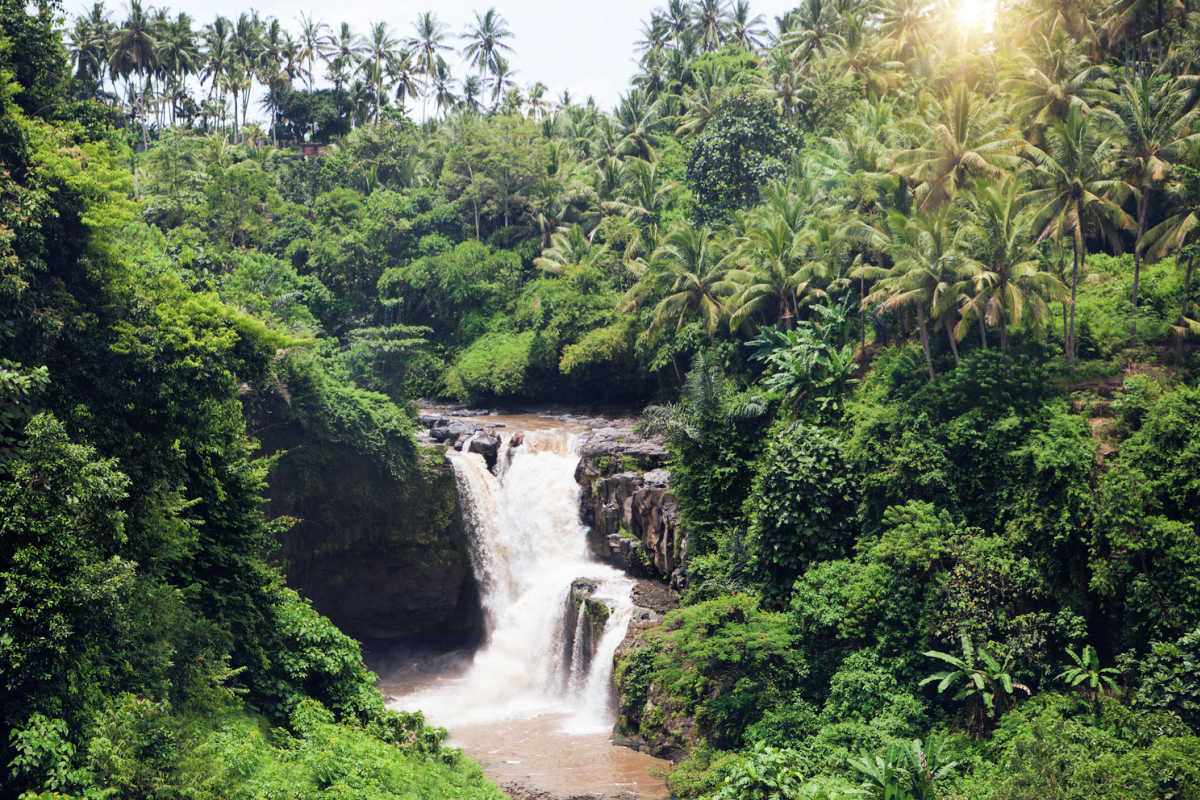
528,547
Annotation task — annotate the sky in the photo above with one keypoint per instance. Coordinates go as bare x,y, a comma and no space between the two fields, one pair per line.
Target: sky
586,48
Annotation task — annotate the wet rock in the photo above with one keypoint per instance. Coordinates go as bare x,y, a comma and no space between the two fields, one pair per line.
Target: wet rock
486,445
627,504
519,791
583,624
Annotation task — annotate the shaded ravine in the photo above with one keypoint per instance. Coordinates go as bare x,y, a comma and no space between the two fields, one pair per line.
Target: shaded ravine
534,705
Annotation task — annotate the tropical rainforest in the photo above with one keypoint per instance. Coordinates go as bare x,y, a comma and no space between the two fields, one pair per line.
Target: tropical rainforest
906,285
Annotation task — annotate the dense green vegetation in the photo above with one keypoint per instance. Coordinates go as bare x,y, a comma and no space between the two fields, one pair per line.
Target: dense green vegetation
147,647
909,294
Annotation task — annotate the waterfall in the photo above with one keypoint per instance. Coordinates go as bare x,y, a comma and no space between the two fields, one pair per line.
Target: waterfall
528,545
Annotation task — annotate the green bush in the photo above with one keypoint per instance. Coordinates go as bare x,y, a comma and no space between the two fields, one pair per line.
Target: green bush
802,506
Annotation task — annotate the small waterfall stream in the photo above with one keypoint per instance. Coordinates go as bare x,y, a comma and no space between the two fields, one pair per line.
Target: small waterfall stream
528,547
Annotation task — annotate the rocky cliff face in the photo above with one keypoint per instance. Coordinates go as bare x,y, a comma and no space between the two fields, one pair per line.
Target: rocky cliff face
626,502
385,559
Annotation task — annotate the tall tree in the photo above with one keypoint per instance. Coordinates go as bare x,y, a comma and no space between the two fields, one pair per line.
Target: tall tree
379,49
312,40
427,43
1153,117
486,40
1075,195
1010,284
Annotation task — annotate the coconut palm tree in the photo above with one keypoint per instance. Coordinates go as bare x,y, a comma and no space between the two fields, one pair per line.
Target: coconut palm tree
1153,119
965,138
1075,194
768,275
748,31
341,51
1051,80
245,49
88,45
1180,234
906,26
636,118
814,30
133,45
503,80
928,275
217,62
486,41
686,272
402,75
177,54
1010,285
312,41
444,97
711,23
378,48
426,44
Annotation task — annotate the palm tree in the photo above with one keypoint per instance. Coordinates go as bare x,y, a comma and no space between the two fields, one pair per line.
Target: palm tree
814,30
966,140
88,46
1050,82
312,40
1010,284
686,270
378,48
402,74
636,118
178,54
486,41
444,97
927,275
711,23
1154,120
245,48
769,275
1180,234
905,26
341,51
217,61
503,80
1076,194
748,31
427,44
133,45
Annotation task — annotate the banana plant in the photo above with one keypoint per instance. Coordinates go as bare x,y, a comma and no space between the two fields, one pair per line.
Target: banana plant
983,681
1087,673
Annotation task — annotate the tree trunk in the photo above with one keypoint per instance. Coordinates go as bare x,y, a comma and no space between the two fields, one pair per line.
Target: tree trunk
1003,329
862,293
1143,206
1187,280
950,338
1070,345
982,332
924,339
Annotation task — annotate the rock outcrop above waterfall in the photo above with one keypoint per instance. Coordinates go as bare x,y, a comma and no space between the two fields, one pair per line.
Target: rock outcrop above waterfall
626,502
583,625
384,558
453,431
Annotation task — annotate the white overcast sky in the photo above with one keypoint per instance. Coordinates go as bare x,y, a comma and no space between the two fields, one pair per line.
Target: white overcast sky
587,48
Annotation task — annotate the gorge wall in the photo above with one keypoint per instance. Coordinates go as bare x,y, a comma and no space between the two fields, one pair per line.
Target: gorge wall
384,558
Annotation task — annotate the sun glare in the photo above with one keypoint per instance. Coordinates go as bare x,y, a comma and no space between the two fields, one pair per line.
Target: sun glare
976,15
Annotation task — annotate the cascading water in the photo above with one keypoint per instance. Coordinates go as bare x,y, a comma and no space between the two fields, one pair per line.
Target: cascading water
529,545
